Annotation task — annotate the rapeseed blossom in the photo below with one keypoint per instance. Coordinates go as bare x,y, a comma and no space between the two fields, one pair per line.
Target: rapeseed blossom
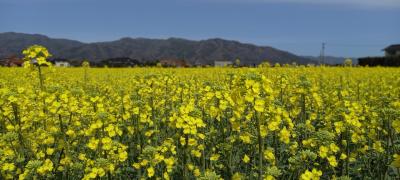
198,123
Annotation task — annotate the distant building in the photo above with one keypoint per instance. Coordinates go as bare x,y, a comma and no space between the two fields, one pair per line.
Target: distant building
173,63
120,62
12,61
391,58
392,50
222,63
59,62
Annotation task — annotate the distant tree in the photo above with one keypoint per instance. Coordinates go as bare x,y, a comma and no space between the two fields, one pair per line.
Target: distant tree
277,65
237,62
85,63
265,64
348,62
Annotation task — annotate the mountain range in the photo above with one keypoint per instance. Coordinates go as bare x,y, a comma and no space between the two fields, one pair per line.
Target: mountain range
145,50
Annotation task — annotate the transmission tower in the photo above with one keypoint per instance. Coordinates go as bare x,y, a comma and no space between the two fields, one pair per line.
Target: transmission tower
322,55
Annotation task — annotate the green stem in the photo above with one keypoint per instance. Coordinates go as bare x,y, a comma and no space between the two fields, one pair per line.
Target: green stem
40,77
260,148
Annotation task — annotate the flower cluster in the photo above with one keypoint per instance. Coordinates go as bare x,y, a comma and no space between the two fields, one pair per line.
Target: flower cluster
36,54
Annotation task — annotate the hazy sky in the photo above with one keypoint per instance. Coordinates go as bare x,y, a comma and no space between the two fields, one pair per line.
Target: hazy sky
350,28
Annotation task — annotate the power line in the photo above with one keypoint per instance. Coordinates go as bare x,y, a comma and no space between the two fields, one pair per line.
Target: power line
358,45
331,44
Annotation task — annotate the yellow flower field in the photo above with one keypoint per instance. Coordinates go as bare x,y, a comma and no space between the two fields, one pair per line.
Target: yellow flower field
200,123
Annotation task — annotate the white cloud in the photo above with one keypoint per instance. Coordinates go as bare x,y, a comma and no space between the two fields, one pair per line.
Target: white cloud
359,3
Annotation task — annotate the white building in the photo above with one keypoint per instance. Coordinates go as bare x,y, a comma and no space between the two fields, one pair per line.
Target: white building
222,63
62,64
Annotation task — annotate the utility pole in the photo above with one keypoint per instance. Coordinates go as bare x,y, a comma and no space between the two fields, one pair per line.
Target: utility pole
322,55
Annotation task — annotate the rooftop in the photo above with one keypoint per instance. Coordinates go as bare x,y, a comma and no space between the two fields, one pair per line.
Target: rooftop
393,47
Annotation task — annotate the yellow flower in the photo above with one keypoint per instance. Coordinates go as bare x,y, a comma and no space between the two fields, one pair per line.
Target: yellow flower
82,157
158,157
309,142
269,177
70,132
273,125
93,143
8,167
196,153
101,172
111,167
166,176
136,165
150,172
246,159
214,157
245,138
190,166
396,161
311,175
343,156
323,151
122,156
259,105
169,161
46,167
135,110
396,125
192,142
92,175
237,176
49,151
269,155
263,131
144,162
332,161
284,135
107,143
338,127
196,172
355,138
378,147
334,148
223,105
182,141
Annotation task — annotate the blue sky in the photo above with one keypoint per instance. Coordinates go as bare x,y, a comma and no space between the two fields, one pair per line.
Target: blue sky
351,28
